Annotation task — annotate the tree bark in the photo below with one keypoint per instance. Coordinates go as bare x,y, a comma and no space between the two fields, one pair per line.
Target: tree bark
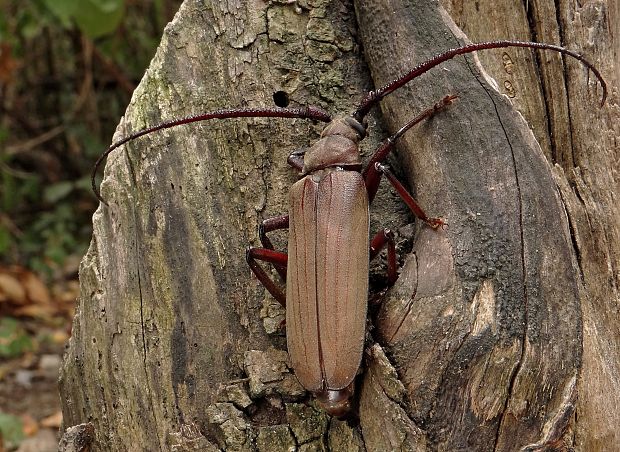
500,333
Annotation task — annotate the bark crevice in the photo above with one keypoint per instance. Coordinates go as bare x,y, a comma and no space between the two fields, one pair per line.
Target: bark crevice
485,377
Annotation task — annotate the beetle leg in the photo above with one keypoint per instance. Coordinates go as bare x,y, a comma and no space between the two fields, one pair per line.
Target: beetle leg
382,238
274,257
371,175
268,225
404,194
296,159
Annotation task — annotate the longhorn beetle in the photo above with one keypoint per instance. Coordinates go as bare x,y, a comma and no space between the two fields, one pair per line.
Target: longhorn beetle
326,267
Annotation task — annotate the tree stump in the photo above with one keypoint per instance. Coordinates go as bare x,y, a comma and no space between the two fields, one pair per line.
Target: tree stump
501,332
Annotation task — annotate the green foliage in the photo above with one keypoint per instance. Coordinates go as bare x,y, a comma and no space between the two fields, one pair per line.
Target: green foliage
69,67
11,430
49,235
55,230
93,17
14,340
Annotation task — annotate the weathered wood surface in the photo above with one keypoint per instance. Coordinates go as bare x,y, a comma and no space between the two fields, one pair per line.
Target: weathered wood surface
501,333
582,142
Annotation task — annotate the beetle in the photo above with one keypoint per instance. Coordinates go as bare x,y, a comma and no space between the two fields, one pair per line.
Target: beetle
326,266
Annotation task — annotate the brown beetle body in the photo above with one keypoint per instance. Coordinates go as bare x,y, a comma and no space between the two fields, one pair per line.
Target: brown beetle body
326,268
327,263
327,280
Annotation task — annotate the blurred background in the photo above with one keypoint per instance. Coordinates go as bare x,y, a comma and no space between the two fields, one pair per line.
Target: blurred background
67,71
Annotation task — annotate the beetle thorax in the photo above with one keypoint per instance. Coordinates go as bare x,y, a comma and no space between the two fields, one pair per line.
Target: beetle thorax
337,147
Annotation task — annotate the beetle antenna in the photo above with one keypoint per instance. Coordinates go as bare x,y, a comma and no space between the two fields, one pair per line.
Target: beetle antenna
373,97
309,112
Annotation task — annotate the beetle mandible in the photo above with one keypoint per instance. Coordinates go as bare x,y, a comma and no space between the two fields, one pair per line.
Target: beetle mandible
326,267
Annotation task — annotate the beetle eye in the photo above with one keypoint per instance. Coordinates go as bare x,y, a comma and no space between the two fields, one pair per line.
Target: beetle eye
280,98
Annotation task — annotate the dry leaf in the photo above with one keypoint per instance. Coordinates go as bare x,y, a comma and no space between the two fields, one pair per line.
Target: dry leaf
53,421
59,336
35,289
8,64
12,289
29,425
39,311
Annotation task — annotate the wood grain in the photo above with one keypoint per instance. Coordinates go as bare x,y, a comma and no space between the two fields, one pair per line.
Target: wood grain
501,333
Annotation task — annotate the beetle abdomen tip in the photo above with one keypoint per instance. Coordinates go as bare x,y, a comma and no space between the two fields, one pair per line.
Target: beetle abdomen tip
335,402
